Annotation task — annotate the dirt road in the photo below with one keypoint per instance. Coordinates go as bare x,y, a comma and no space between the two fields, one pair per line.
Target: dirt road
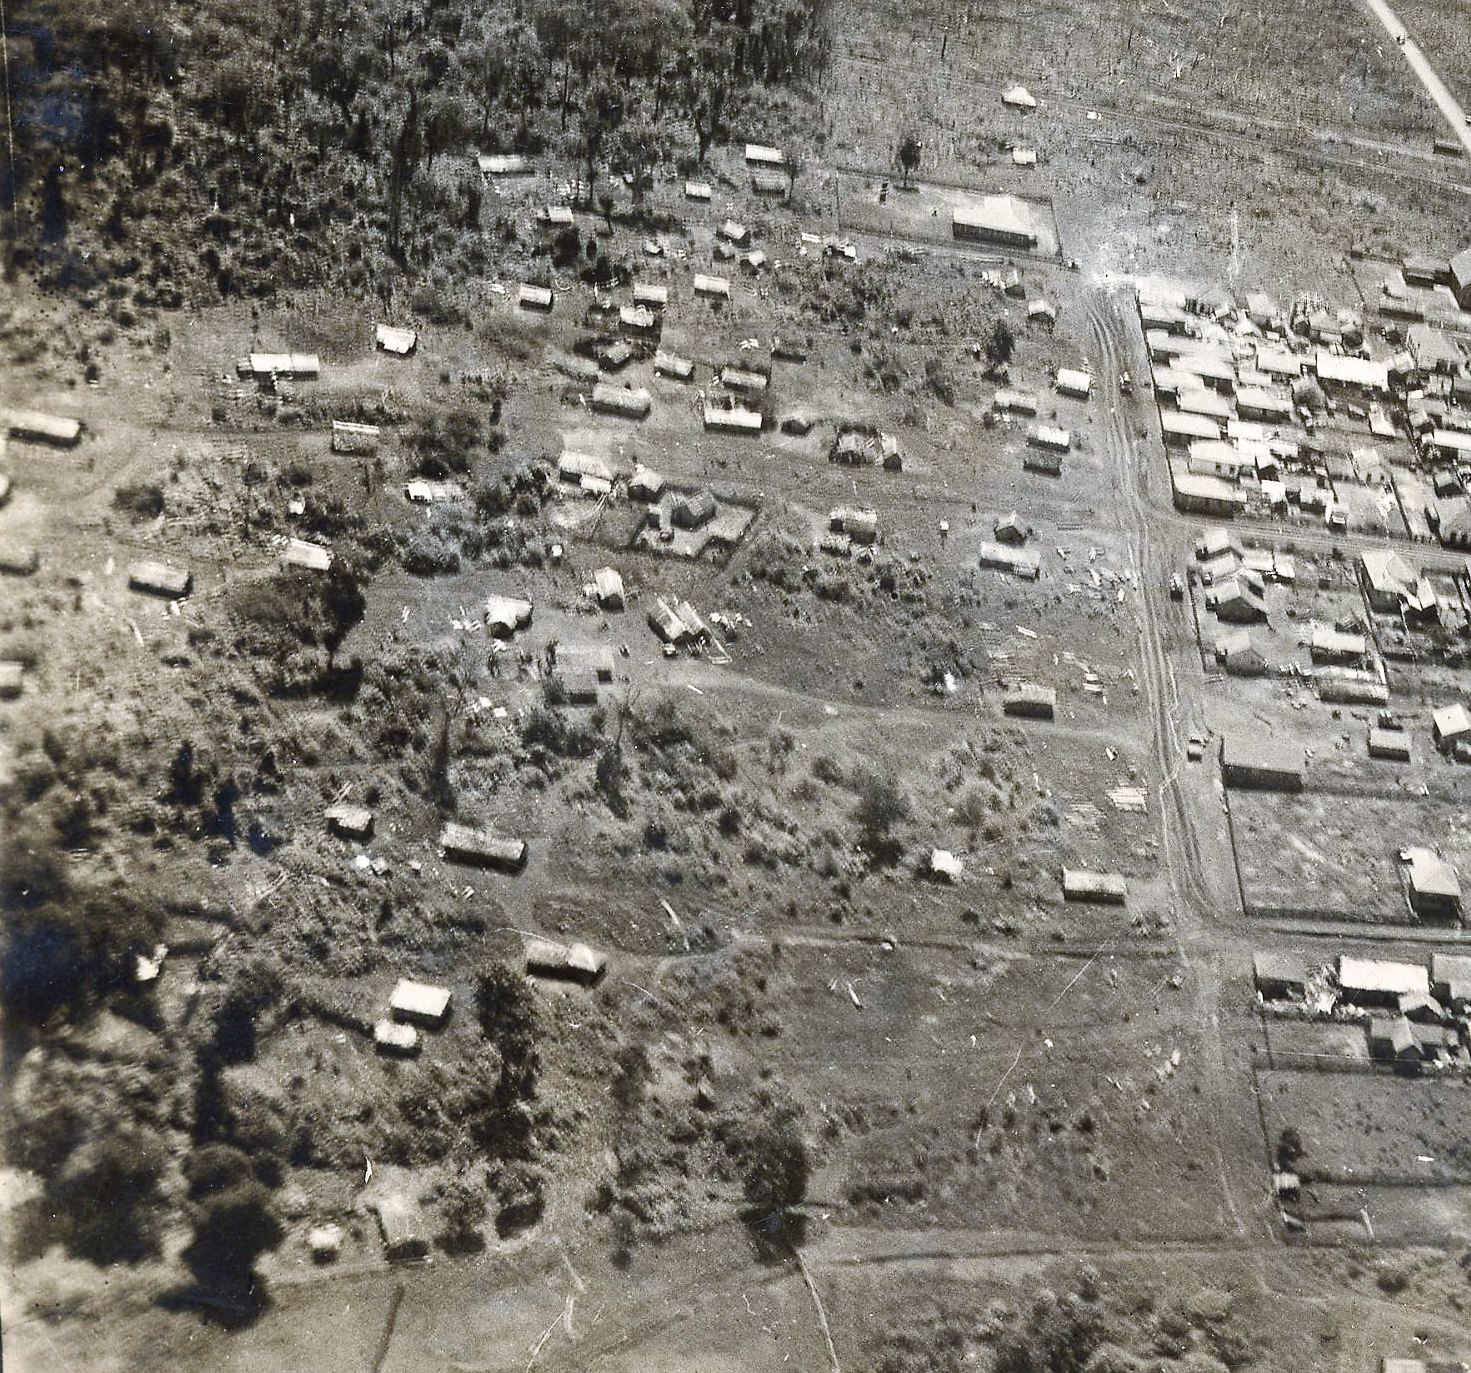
1445,102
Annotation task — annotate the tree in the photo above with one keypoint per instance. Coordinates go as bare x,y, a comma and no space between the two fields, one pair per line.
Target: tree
234,1223
462,1206
777,1169
107,1191
506,1009
1000,342
909,156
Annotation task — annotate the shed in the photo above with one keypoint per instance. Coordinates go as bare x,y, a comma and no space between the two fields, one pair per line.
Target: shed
769,183
1450,725
503,164
350,822
697,190
743,379
389,1037
1043,311
36,427
18,559
594,662
1010,529
1393,744
1259,762
608,585
734,232
395,340
861,525
159,579
1079,884
1390,1037
638,319
1015,402
1031,701
301,366
1450,977
1018,98
1181,427
646,485
348,437
1380,982
734,419
651,296
400,1221
667,625
1047,461
711,286
573,467
620,400
1020,562
994,219
529,297
421,1003
1279,977
693,509
670,365
12,677
764,156
310,557
1049,436
1024,157
1329,645
555,216
945,866
1434,889
505,615
1073,382
482,848
567,962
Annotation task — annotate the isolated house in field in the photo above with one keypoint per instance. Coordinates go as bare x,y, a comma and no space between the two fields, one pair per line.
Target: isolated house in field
1020,562
159,579
36,427
12,678
482,848
565,962
1030,701
350,822
1279,977
400,342
1393,745
743,379
308,556
1078,884
619,400
419,1003
295,366
1380,982
401,1223
1259,762
506,615
348,437
671,365
529,297
860,525
1000,219
608,587
1045,461
1073,382
1450,725
1434,889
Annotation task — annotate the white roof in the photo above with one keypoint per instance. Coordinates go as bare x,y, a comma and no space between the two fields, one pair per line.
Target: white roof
711,286
1020,97
1190,426
1024,157
1363,372
302,553
391,1035
1049,436
609,582
770,157
697,190
1431,875
419,999
1071,380
1200,401
1450,438
1380,975
502,164
395,340
1451,721
946,864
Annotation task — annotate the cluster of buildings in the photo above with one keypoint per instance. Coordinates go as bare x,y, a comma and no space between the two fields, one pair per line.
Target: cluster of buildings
1412,1016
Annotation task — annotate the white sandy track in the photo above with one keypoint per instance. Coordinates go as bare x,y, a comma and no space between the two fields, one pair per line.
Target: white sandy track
1455,116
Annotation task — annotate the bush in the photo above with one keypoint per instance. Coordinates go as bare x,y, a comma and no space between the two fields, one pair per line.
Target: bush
506,1009
107,1193
142,500
777,1167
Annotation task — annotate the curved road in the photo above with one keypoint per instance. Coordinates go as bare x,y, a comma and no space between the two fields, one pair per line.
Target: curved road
1455,116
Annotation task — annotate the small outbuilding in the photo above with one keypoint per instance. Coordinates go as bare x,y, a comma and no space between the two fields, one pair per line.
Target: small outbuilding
1258,762
17,559
608,587
12,678
401,1223
1434,888
506,615
389,1037
36,427
1279,977
1379,981
390,339
348,437
419,1003
633,404
529,297
1079,884
671,365
350,822
1390,1037
1390,744
1073,382
565,962
160,579
1030,701
1451,725
482,848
